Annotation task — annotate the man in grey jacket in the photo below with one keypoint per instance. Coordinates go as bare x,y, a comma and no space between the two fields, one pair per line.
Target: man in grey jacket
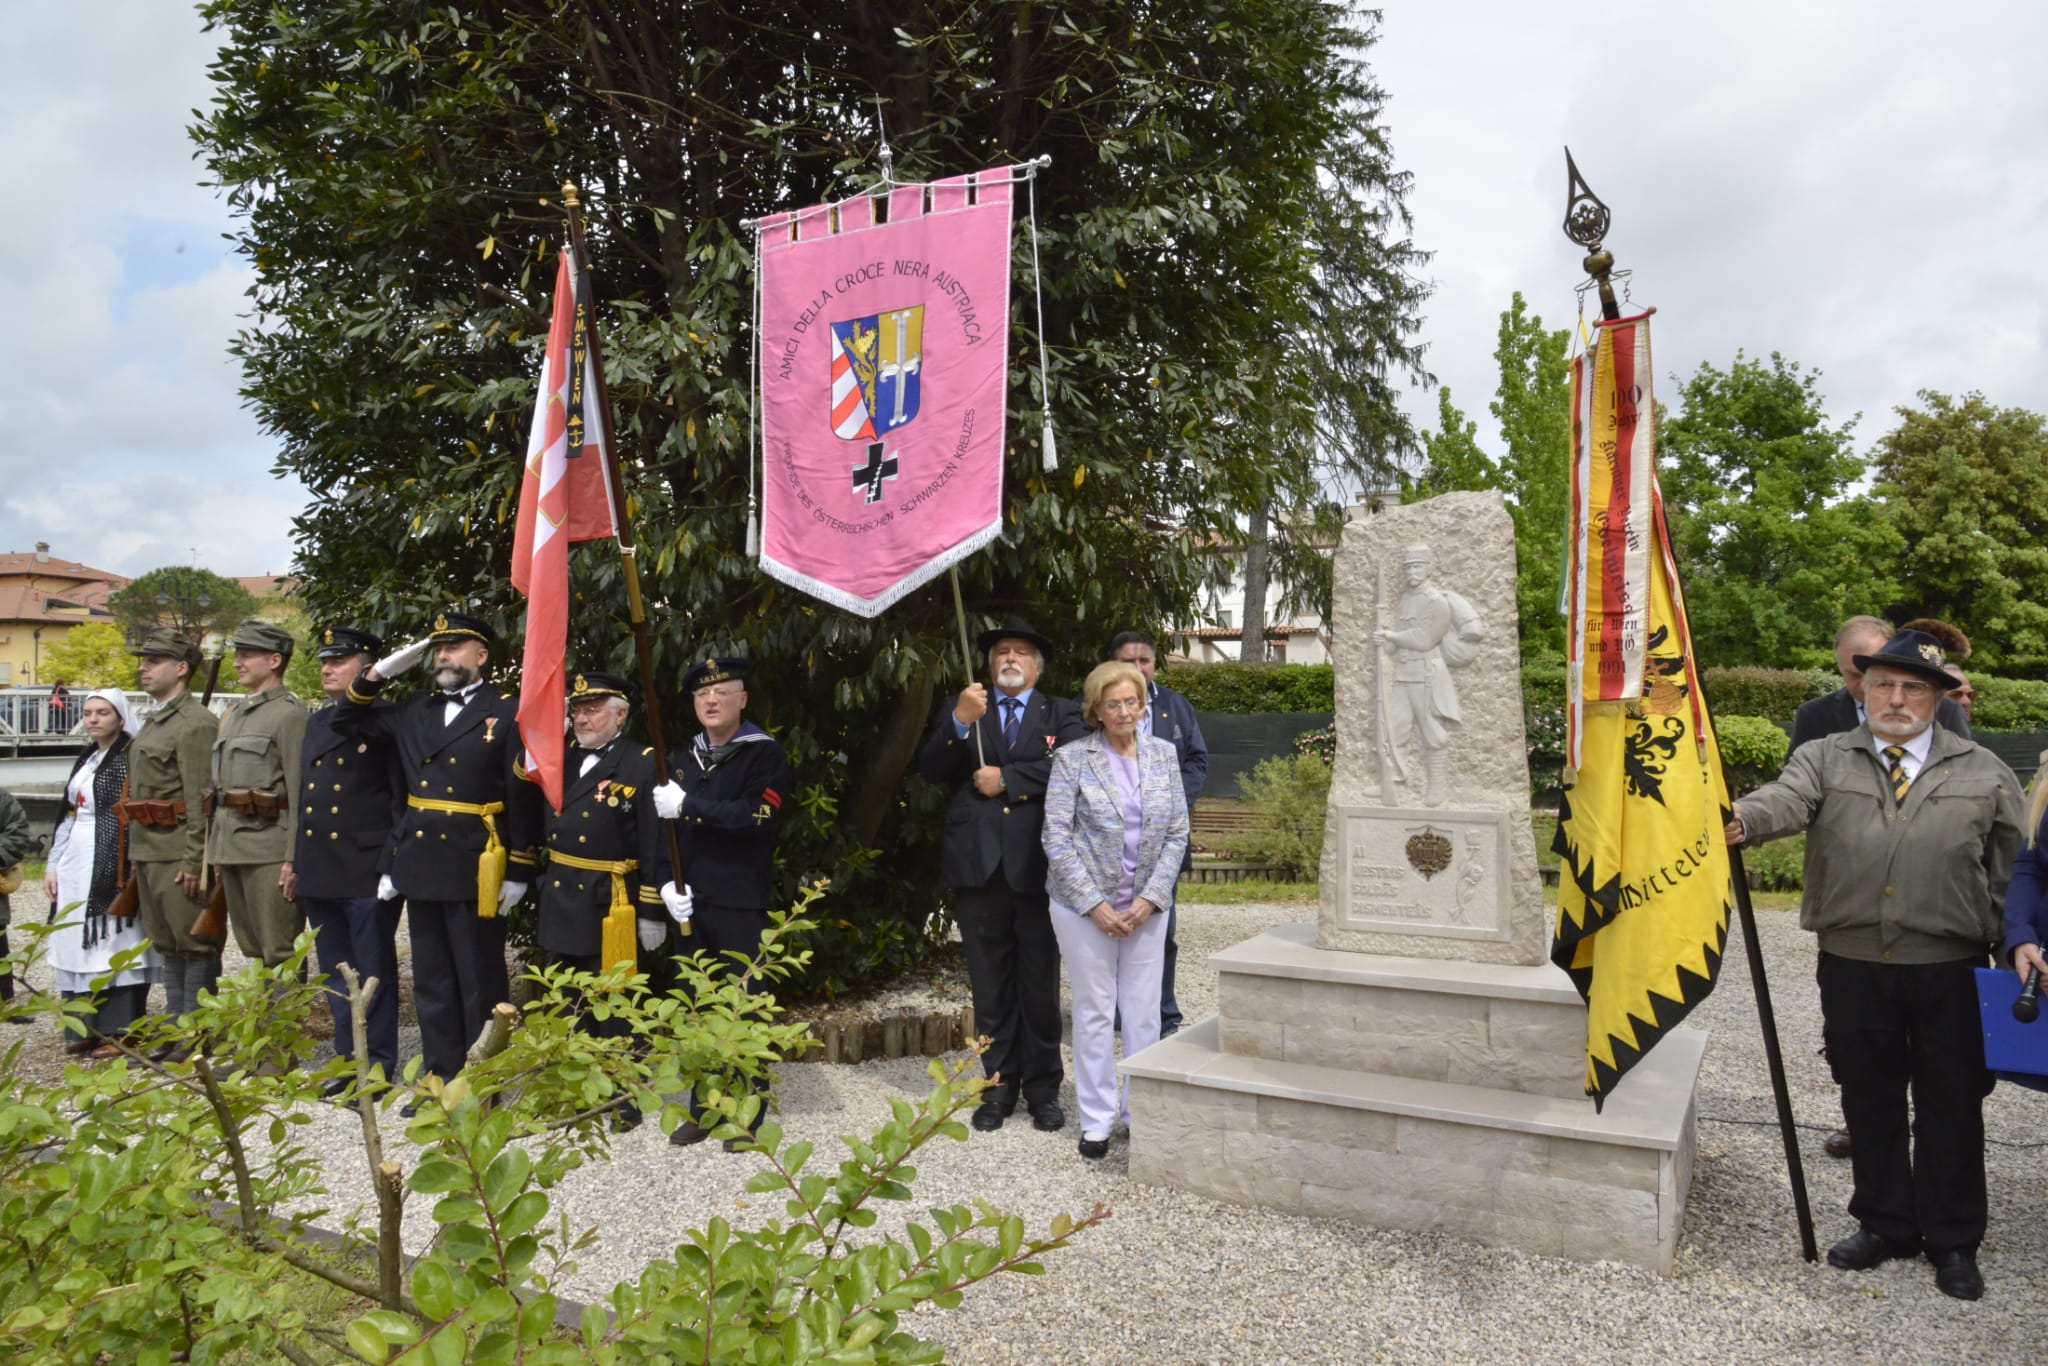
1911,833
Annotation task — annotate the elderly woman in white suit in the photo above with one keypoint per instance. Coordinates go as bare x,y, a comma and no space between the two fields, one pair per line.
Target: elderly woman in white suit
1116,825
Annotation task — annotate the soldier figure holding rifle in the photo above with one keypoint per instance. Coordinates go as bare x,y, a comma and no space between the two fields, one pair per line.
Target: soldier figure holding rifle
168,776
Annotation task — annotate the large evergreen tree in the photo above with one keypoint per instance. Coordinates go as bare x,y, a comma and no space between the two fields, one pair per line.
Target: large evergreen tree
1229,294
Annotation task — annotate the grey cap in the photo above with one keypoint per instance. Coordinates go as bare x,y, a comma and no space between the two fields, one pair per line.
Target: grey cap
255,634
162,640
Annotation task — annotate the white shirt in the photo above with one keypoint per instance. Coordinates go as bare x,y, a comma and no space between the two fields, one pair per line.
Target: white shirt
457,703
1916,752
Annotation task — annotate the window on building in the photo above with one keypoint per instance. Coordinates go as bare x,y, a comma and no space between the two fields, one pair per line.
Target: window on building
1223,618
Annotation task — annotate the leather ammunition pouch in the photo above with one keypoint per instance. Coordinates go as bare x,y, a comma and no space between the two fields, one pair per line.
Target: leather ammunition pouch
252,801
156,815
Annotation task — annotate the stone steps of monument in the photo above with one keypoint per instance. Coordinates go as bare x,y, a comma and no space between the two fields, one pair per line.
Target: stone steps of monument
1505,1168
1484,1024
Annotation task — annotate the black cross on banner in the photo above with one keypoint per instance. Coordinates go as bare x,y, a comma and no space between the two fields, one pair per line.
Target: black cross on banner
868,477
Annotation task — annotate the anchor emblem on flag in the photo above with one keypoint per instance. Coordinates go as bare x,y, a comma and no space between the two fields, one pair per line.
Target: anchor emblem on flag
876,365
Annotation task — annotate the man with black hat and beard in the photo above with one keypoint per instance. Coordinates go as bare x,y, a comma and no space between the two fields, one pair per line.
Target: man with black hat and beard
996,761
726,792
351,796
1911,834
464,850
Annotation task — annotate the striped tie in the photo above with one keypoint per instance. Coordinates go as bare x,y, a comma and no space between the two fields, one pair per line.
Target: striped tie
1893,754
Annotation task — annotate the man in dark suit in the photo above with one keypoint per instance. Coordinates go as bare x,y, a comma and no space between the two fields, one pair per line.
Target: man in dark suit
464,850
996,760
725,791
1842,710
1170,717
351,796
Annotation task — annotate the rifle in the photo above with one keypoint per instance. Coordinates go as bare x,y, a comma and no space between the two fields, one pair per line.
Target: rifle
1390,758
212,925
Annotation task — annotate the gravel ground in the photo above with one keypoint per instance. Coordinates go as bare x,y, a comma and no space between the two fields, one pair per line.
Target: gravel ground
1177,1278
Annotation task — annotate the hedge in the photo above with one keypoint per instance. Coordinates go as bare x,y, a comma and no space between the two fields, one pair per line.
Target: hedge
2009,704
1243,688
1775,694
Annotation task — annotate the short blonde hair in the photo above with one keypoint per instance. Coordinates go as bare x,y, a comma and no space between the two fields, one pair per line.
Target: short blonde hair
1102,678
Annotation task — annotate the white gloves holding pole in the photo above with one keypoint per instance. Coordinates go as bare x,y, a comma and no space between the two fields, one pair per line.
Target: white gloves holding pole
509,894
680,903
668,801
392,665
387,890
652,934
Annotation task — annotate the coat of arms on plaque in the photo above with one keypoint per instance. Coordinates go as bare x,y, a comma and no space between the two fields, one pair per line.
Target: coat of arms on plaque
1428,853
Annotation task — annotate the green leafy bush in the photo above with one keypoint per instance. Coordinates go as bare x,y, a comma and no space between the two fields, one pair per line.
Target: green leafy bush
1321,743
1245,688
1543,724
1752,750
1774,694
1288,796
1777,866
2009,704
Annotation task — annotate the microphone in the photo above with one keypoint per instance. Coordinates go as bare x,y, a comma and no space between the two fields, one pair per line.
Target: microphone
2027,1008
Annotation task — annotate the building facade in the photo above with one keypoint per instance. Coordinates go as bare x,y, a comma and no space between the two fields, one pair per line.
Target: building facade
41,599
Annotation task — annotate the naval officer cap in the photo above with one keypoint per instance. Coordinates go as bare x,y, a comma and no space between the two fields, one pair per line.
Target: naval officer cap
717,669
590,683
339,642
460,626
265,636
168,644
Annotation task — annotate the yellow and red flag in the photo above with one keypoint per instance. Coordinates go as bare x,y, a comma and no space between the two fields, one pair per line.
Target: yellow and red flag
564,497
1643,903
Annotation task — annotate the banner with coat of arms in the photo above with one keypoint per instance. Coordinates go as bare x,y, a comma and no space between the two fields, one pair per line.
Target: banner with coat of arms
883,383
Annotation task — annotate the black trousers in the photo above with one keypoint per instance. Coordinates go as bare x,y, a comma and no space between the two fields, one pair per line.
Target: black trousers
1013,966
715,930
361,932
458,978
611,1028
1894,1029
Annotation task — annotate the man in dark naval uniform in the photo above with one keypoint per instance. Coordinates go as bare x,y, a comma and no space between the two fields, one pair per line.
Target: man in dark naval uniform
725,792
351,795
464,850
997,760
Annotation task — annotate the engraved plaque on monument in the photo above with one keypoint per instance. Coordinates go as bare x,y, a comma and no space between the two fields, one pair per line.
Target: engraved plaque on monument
1427,851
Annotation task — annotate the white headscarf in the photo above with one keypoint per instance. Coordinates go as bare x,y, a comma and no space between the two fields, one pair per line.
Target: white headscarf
118,700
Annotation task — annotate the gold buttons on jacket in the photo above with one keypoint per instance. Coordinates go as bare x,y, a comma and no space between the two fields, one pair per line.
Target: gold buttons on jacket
334,811
1887,891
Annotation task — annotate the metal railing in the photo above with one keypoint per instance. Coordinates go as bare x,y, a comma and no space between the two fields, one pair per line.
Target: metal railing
35,714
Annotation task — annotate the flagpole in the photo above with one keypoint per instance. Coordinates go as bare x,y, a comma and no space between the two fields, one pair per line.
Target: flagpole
636,608
966,654
1586,221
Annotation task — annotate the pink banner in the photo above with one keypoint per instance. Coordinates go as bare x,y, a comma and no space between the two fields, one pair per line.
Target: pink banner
883,379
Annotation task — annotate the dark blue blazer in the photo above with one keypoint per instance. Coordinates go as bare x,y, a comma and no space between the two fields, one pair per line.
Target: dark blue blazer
1004,831
351,796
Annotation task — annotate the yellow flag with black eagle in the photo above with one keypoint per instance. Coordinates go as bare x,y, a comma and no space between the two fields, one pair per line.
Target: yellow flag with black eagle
1645,892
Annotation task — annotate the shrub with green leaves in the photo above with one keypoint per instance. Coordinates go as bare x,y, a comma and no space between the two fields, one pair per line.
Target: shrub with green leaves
1774,694
2009,704
1246,688
1288,796
1752,751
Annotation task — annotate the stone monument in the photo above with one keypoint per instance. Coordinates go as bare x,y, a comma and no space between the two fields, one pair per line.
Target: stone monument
1413,1060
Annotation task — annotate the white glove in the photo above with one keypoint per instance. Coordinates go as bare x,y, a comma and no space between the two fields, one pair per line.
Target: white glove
387,890
680,904
392,665
652,934
668,802
509,894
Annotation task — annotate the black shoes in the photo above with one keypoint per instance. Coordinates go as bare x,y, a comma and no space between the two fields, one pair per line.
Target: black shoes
336,1087
1095,1149
1866,1248
996,1106
1955,1274
1837,1143
626,1119
1047,1117
687,1133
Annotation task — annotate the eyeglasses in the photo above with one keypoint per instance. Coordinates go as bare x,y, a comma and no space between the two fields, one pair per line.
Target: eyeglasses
1905,687
1121,704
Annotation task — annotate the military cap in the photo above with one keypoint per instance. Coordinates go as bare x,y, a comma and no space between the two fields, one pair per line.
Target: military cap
338,642
1913,652
716,669
460,626
255,634
590,683
1415,554
170,644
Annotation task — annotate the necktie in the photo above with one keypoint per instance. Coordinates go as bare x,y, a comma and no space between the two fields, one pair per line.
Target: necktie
1900,782
1013,718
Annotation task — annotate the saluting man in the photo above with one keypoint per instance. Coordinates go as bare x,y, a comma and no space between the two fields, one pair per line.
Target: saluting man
725,791
596,903
255,778
351,794
464,851
168,775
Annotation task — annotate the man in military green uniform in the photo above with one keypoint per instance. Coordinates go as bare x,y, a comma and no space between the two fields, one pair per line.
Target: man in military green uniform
255,807
168,776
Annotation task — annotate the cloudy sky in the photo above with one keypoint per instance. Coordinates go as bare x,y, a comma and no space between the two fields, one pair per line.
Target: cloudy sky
1863,186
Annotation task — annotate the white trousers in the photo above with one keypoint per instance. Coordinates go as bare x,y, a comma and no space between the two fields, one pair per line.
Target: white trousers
1109,976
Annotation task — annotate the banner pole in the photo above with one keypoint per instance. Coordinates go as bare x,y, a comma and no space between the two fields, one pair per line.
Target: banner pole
1795,1168
966,652
636,609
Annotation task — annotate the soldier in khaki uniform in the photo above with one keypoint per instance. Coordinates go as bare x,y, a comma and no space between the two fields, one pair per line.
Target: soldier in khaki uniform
168,775
255,807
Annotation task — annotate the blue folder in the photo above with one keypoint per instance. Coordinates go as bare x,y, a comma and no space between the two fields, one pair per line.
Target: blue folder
2010,1046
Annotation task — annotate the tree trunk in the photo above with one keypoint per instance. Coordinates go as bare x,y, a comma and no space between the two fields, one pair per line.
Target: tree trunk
1251,646
874,787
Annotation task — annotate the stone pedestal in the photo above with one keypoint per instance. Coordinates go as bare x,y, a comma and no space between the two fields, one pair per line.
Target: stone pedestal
1419,1094
1413,1060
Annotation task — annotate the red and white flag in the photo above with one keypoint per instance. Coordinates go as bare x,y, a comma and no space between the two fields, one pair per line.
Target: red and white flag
564,497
